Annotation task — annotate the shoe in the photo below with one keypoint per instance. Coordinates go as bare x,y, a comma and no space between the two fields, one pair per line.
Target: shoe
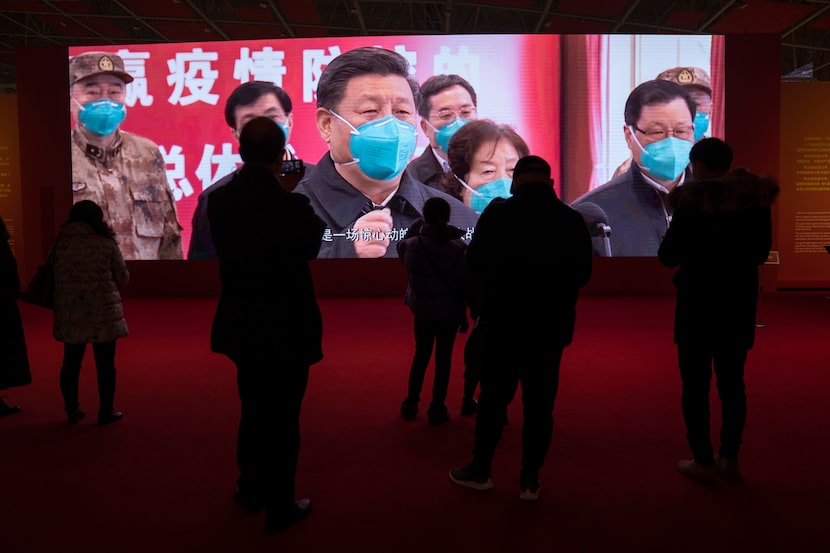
727,469
463,476
250,504
75,416
6,409
469,406
109,416
691,469
409,409
529,489
275,523
438,415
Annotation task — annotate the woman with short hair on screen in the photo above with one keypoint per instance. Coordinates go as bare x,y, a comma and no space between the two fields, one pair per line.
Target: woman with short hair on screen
482,155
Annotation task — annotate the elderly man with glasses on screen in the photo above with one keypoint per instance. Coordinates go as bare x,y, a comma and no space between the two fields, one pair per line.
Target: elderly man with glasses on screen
659,131
448,102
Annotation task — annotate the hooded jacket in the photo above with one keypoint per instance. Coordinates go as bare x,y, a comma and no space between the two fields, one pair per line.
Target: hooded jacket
436,271
720,233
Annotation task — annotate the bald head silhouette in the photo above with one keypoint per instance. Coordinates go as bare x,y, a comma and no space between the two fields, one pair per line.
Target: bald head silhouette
261,141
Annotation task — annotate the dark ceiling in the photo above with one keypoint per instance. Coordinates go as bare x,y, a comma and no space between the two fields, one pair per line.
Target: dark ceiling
804,25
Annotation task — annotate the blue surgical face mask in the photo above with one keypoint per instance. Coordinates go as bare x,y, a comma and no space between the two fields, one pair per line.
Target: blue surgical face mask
665,159
381,148
443,135
487,192
102,117
701,124
285,131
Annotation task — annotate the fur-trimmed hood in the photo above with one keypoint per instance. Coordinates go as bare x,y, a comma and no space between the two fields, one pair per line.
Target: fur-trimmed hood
737,189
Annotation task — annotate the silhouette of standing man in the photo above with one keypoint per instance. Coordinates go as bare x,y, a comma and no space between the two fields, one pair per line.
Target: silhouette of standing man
531,254
267,321
720,233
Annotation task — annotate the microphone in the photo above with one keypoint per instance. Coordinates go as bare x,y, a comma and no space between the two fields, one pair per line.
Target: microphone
597,221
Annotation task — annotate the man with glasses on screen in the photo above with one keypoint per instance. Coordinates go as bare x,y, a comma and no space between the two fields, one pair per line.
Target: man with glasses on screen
246,102
697,81
448,102
120,171
659,131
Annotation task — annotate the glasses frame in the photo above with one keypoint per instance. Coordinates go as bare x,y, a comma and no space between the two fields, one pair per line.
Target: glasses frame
456,114
665,133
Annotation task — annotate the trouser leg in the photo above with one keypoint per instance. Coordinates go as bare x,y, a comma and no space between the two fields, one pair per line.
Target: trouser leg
729,370
695,364
472,362
284,446
251,435
73,356
540,383
105,368
268,443
424,338
499,381
444,341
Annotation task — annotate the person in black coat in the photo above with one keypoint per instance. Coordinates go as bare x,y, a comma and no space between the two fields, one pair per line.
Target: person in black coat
248,100
267,320
531,254
14,358
433,254
720,233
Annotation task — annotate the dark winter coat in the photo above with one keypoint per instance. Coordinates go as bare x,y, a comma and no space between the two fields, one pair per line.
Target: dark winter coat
436,272
531,254
89,270
14,360
721,231
265,237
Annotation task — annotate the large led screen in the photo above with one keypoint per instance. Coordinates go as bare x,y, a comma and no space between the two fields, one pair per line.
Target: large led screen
560,97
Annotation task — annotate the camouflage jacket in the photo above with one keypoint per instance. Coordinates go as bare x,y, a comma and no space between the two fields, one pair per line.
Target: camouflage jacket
129,182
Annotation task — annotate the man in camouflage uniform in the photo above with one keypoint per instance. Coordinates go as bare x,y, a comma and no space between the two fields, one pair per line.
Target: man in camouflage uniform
122,172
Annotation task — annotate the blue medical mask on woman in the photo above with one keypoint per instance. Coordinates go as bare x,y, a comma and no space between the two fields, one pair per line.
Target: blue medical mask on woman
102,117
487,192
701,124
381,148
665,159
445,133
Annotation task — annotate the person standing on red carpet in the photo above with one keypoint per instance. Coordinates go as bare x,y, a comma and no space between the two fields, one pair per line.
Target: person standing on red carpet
89,271
267,320
436,293
14,359
531,254
720,233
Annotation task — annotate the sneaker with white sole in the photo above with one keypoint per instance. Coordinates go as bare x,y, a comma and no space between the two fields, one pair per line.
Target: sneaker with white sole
463,476
692,469
529,489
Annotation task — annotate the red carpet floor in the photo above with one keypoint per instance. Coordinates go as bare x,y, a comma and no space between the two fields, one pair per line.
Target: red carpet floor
161,480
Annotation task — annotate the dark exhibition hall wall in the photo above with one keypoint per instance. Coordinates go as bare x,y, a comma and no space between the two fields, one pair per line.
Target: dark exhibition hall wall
752,93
